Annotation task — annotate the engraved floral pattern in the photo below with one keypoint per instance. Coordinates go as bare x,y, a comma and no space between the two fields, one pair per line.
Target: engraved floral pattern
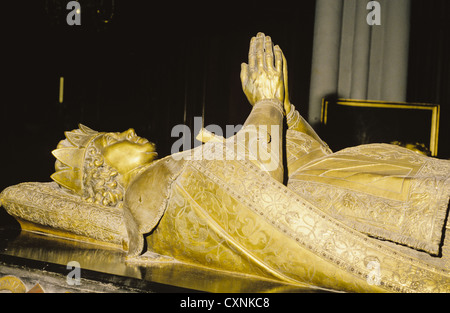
417,222
49,205
326,252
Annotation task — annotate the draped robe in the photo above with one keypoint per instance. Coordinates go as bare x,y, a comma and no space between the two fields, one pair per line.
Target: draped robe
367,218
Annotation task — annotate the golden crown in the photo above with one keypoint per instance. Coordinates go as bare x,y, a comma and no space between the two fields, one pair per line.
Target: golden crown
70,154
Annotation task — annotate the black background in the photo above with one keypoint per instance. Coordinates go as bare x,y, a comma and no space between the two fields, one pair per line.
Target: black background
153,66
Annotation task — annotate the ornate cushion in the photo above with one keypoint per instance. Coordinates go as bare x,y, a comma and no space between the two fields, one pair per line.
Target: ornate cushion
50,209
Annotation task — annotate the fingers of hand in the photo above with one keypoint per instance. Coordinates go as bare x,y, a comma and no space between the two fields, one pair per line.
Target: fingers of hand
244,74
261,54
252,54
278,59
284,62
268,50
285,71
260,51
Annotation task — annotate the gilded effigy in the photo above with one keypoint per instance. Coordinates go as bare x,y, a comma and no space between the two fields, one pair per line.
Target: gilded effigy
370,218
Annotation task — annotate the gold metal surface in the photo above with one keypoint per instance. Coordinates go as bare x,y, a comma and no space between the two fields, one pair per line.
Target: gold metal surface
262,77
99,166
98,258
61,89
365,219
12,284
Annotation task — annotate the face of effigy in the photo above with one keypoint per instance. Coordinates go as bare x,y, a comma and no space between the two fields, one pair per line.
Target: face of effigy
126,151
99,166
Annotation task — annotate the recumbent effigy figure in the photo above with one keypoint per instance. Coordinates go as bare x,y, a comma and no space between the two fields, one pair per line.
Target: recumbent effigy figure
340,216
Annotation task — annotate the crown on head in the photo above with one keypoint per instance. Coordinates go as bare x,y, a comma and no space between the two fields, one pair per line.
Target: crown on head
70,154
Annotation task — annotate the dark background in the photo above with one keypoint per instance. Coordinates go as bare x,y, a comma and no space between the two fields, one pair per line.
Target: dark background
157,64
429,62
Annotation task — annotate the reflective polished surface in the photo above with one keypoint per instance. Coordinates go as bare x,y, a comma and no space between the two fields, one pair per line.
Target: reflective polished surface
98,263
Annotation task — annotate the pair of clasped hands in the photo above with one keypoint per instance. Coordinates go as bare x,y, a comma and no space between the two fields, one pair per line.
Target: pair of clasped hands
265,75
